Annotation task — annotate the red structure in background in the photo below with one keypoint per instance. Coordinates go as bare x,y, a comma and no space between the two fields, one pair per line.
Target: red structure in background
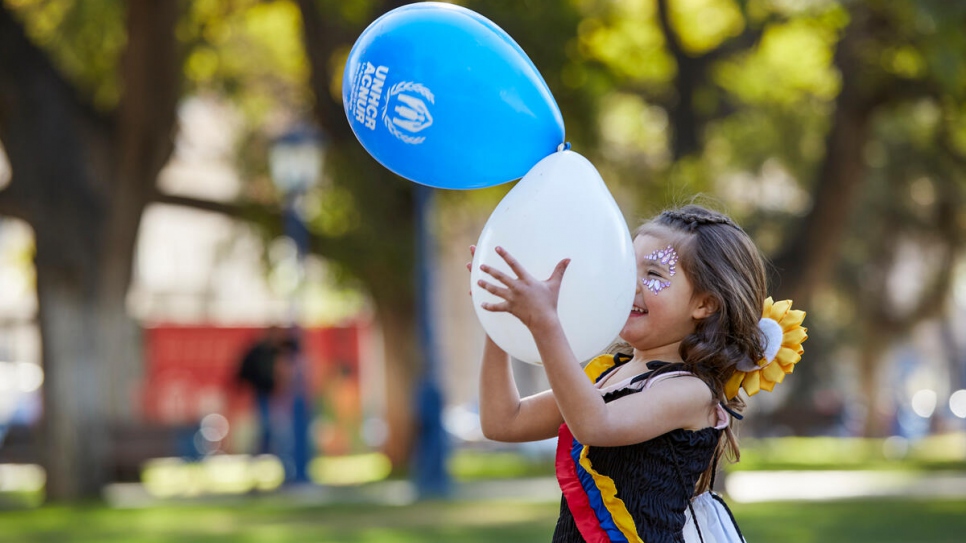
190,373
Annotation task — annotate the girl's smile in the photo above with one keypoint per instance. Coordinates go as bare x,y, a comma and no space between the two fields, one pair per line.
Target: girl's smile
637,311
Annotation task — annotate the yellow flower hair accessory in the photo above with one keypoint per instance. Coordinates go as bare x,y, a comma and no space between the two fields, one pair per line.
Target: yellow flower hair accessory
783,334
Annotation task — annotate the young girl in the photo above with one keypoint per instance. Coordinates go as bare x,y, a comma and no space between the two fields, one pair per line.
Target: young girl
642,436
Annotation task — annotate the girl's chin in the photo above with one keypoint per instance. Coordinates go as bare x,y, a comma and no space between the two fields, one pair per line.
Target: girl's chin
632,321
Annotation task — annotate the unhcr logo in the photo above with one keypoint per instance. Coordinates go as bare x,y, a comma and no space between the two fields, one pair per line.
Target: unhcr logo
406,113
366,91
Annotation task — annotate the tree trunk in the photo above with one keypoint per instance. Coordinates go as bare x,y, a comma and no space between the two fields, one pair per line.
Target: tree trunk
873,348
691,72
82,181
75,437
812,251
143,142
401,356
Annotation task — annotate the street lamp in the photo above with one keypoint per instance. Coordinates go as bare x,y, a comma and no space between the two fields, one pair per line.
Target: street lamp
295,160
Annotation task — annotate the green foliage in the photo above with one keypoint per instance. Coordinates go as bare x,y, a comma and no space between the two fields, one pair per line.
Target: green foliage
791,65
705,24
626,39
85,40
762,103
879,521
249,51
928,44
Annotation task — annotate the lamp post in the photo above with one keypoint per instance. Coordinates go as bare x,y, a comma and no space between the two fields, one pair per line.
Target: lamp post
432,448
295,160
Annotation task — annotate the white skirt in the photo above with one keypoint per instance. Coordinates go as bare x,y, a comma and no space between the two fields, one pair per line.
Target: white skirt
715,520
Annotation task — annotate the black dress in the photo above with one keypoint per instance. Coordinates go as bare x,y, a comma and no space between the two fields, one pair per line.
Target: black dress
654,491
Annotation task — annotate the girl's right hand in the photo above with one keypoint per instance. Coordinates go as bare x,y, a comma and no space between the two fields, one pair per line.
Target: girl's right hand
527,298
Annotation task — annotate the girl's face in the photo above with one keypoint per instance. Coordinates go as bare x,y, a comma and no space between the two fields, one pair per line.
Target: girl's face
665,309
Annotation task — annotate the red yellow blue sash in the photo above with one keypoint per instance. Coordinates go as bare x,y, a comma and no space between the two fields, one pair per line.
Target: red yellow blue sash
600,516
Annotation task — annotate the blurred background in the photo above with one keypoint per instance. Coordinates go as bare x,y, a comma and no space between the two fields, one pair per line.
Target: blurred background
178,177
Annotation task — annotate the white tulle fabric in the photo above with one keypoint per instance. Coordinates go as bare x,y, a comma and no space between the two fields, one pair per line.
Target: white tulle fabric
714,520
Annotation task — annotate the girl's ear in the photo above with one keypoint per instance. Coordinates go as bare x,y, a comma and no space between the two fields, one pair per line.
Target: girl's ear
704,306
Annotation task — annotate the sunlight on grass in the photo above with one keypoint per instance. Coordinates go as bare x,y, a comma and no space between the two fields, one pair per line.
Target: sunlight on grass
22,485
222,474
240,474
350,470
880,521
946,451
469,465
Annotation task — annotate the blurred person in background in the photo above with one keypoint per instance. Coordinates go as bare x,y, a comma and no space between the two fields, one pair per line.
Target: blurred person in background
257,371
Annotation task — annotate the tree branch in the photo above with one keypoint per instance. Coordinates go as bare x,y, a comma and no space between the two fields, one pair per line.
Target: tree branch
692,74
229,209
670,35
264,215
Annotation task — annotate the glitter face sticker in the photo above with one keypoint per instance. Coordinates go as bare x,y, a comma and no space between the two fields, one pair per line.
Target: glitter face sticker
666,257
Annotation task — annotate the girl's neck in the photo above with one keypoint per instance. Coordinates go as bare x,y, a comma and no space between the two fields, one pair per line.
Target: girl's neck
665,353
638,364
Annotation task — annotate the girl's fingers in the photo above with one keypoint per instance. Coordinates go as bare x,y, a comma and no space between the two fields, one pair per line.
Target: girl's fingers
558,272
512,262
501,307
497,274
469,265
493,289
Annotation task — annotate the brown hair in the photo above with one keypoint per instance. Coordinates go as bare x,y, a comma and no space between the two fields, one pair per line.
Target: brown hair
721,261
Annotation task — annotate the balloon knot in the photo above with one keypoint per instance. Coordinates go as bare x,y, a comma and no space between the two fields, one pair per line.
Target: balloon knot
565,146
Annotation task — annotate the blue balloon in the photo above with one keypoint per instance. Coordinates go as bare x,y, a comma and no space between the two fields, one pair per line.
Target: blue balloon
442,96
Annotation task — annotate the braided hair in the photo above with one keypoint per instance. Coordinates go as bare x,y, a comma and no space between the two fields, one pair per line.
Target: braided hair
693,216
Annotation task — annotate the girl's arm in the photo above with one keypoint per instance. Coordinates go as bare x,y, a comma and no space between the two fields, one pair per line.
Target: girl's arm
503,415
675,403
680,402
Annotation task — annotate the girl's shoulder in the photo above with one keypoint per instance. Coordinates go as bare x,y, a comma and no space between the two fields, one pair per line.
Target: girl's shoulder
662,371
651,380
688,389
680,382
695,399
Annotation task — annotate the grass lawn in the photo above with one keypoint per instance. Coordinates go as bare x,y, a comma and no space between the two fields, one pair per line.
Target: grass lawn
880,521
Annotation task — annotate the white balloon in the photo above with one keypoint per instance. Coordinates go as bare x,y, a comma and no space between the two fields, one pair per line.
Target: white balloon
561,209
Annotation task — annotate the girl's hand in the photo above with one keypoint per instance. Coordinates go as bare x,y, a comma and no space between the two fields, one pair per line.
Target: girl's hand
469,265
532,301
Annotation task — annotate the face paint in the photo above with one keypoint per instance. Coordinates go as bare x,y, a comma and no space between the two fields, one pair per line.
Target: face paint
666,257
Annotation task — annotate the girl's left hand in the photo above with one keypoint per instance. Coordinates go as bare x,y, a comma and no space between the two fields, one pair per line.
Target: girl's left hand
532,301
